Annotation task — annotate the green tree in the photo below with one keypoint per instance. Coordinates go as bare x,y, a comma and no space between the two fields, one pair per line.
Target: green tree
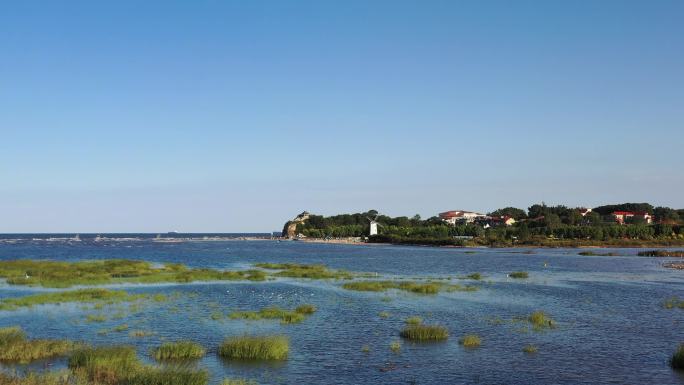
512,212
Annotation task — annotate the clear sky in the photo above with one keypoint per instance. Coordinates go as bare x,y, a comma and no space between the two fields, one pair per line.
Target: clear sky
234,116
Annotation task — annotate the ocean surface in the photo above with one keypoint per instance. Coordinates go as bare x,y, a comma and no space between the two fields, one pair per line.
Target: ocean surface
612,326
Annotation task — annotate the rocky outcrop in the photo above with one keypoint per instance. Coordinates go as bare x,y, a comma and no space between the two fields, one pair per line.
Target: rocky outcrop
290,228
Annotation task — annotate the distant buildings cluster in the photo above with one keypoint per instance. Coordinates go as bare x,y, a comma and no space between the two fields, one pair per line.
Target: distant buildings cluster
462,217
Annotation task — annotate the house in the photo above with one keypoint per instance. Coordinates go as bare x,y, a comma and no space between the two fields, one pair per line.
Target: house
622,216
488,222
584,211
460,216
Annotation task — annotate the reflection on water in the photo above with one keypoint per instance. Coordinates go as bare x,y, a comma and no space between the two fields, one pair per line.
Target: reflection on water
612,327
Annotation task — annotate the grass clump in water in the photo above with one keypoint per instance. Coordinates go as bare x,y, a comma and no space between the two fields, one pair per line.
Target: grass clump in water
415,320
673,302
519,274
413,287
15,347
255,348
81,295
595,254
677,359
470,341
530,349
541,320
238,381
179,351
662,253
285,316
67,274
420,332
296,270
475,276
395,346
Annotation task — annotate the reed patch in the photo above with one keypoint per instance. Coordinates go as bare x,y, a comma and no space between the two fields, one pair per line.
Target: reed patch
180,350
275,347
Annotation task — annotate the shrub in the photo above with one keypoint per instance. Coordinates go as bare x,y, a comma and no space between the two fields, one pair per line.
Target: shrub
421,332
255,348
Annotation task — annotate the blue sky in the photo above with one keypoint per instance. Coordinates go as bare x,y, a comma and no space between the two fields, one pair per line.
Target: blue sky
234,116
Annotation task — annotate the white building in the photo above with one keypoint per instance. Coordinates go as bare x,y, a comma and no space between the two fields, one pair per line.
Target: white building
460,216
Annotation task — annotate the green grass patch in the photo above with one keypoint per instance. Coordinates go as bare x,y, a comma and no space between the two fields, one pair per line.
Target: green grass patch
285,316
238,381
519,274
595,254
81,295
420,332
255,348
673,302
475,276
296,270
470,341
530,349
395,346
119,365
67,274
15,347
677,359
541,320
181,350
662,253
415,320
409,286
96,318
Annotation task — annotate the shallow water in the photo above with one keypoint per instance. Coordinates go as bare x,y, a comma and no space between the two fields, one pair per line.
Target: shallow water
612,327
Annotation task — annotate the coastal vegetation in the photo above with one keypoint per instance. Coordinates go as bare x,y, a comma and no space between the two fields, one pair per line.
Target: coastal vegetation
541,320
285,316
677,359
539,225
119,365
238,381
662,253
421,332
595,254
15,347
296,270
101,296
530,349
275,347
66,274
674,302
470,341
180,350
409,286
519,274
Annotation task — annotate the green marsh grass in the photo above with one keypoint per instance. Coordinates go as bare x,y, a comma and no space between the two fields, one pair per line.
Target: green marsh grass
415,320
409,286
238,381
420,332
179,351
67,274
285,316
661,253
519,274
395,346
119,365
275,347
15,347
96,318
677,359
81,295
470,341
673,302
541,320
595,254
530,349
474,276
296,270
